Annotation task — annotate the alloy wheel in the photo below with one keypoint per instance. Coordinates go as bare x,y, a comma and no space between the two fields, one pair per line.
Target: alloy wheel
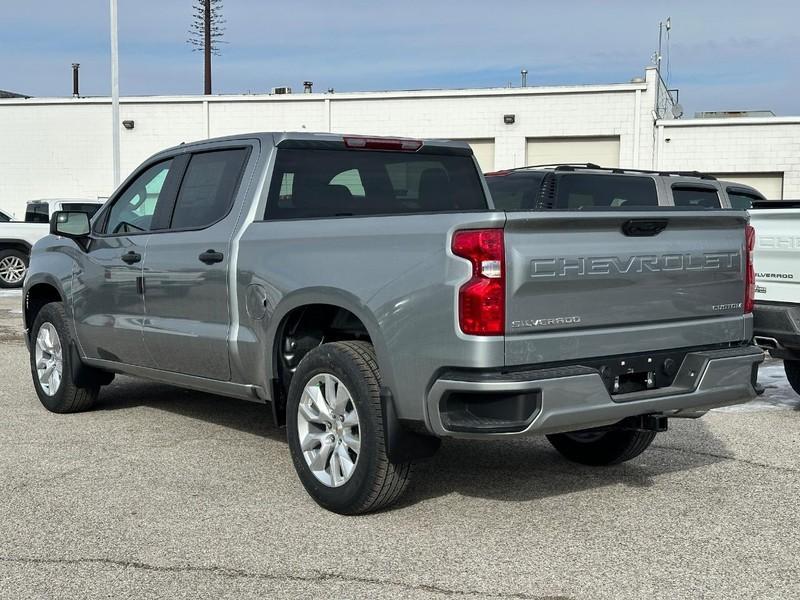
329,430
49,359
12,269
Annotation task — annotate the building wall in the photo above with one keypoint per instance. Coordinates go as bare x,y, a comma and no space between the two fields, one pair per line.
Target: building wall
768,145
62,147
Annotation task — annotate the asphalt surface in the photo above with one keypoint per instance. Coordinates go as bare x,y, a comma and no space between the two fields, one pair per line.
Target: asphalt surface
165,493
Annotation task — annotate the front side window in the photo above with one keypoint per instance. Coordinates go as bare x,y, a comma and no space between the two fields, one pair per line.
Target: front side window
309,183
4,218
695,196
208,188
580,191
134,209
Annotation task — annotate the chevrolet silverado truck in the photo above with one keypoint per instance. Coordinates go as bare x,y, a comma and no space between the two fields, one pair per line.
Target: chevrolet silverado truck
18,237
776,320
369,291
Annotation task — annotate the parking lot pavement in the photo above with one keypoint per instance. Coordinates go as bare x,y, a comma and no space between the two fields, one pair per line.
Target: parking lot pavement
164,493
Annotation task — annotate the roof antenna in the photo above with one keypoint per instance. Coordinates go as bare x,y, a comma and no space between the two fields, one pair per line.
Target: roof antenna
661,27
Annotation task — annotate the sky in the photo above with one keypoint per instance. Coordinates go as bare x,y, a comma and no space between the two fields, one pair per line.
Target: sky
722,55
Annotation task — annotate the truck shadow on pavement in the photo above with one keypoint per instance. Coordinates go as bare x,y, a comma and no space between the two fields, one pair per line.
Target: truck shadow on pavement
513,470
530,469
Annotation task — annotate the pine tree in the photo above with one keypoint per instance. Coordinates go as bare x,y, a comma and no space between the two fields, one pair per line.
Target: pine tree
206,32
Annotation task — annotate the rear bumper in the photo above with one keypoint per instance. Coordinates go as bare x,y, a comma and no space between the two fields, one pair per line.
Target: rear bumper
573,398
776,326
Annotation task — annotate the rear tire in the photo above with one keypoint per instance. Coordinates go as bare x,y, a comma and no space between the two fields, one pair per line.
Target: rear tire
51,340
602,447
13,268
336,438
792,368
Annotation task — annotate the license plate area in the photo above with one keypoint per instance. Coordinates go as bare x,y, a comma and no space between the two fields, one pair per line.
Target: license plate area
636,373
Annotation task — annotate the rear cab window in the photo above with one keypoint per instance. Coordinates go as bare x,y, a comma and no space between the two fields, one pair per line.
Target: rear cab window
37,212
315,183
694,196
86,207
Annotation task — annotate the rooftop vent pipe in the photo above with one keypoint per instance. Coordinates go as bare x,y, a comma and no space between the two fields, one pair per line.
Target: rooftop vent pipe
75,81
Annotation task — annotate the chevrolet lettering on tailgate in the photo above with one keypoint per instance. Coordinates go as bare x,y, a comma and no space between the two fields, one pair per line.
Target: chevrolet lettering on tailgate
614,265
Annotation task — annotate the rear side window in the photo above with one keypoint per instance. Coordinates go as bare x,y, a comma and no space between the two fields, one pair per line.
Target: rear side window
742,200
579,191
310,183
37,213
517,191
85,207
695,197
4,218
208,188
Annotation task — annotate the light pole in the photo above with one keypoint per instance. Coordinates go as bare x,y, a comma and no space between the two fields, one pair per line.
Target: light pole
114,94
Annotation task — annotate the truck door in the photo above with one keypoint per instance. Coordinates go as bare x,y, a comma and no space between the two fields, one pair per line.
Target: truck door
107,295
187,314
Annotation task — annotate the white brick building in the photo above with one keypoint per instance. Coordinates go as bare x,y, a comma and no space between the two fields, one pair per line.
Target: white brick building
62,146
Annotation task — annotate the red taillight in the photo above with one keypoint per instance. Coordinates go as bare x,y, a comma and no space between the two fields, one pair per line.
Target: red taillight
370,143
750,272
482,300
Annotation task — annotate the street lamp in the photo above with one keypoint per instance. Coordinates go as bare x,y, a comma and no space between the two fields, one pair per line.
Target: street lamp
114,94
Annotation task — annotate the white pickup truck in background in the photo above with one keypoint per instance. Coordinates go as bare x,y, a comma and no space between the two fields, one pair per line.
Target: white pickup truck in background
777,263
18,237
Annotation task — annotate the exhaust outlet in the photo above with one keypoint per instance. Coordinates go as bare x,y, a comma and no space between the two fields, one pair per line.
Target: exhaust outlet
767,342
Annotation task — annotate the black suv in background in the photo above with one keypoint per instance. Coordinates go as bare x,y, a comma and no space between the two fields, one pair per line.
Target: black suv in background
586,186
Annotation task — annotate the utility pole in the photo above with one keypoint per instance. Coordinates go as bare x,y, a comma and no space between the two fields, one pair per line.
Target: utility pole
114,95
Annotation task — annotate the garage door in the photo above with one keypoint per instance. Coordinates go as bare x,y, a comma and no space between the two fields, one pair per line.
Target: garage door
484,152
769,184
603,151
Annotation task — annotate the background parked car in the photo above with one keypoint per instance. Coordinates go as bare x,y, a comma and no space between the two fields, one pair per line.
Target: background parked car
18,237
776,319
568,186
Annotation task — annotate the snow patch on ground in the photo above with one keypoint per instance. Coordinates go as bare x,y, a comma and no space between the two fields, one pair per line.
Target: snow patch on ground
778,394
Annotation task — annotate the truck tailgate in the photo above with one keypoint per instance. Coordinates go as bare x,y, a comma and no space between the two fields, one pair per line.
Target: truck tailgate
777,254
603,283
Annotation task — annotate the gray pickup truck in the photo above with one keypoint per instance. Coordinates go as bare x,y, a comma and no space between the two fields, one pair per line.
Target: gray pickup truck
368,290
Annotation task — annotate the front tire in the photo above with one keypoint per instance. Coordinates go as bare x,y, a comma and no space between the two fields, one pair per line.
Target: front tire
602,447
51,363
13,268
792,368
334,423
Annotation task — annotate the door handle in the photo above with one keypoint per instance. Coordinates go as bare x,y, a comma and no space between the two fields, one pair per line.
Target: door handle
211,256
131,257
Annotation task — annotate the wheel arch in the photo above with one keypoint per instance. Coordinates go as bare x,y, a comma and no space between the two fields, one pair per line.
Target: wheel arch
312,303
15,244
38,292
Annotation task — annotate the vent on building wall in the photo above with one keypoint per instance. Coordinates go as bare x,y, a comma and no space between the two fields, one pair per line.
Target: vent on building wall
732,114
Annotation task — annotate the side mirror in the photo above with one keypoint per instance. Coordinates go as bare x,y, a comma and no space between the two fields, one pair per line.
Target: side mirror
70,224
